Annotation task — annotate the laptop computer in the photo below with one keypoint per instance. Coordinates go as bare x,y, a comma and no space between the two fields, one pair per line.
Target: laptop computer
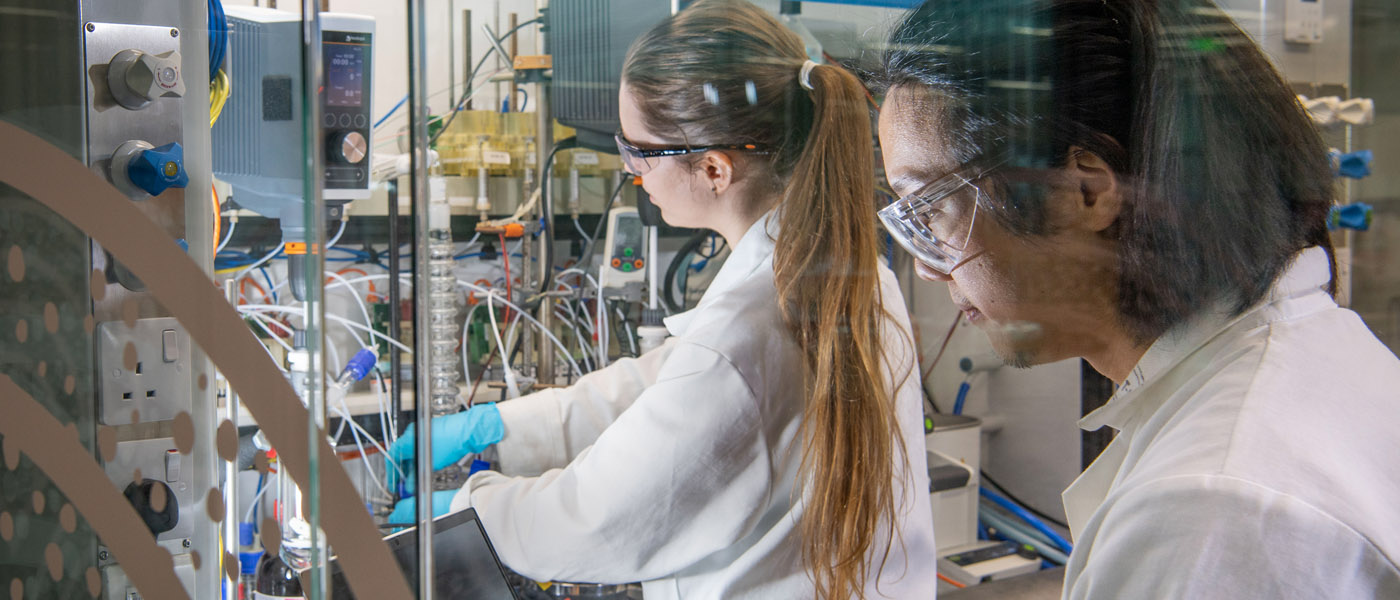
464,563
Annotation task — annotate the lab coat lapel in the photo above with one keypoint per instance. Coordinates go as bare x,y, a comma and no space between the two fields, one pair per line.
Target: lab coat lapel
1142,394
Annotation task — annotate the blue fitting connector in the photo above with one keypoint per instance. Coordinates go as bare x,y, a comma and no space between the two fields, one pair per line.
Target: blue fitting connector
1352,216
1354,165
359,366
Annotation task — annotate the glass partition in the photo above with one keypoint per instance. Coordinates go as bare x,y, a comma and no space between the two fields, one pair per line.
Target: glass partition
625,298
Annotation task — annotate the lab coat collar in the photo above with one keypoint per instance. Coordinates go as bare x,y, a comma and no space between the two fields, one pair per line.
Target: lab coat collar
1309,272
753,251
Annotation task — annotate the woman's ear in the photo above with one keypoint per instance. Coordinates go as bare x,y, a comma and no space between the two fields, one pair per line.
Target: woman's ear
1098,200
717,168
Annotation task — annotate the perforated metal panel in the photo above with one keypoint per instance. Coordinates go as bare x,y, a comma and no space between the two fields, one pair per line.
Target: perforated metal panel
589,40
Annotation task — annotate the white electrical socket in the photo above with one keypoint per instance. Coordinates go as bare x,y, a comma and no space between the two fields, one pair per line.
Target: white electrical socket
157,385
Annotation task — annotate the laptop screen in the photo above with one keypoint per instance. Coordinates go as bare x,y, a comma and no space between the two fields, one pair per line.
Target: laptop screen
464,563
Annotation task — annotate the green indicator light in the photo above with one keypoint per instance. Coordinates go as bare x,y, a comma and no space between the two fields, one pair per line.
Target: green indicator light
627,252
626,267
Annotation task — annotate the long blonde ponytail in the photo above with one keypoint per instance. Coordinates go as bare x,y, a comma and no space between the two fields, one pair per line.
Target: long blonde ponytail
724,71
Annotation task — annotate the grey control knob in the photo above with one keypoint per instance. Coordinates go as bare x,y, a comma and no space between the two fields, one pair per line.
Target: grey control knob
136,78
349,147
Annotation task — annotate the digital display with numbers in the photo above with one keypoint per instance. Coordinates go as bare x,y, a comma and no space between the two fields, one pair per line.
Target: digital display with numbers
345,74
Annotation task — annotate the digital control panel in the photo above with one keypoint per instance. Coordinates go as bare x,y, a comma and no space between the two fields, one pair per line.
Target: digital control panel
624,252
346,120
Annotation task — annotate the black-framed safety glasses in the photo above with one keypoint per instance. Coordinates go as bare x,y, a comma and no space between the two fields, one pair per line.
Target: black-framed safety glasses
638,161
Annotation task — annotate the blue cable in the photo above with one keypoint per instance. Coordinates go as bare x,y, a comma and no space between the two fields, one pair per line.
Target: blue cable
271,289
218,36
391,112
1026,516
962,397
526,100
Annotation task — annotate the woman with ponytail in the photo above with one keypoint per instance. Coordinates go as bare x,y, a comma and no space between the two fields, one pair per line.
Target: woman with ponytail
773,447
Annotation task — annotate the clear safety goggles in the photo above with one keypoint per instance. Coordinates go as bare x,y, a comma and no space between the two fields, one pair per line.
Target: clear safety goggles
639,161
935,222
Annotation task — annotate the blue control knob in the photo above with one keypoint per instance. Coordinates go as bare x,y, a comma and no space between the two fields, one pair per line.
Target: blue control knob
159,169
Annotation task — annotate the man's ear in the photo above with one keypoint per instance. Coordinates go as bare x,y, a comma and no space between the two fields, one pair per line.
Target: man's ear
1099,199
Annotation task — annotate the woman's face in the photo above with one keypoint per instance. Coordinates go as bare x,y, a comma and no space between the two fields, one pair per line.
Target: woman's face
1038,299
682,193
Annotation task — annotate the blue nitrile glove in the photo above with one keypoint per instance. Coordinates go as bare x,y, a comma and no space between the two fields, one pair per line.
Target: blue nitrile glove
406,511
454,437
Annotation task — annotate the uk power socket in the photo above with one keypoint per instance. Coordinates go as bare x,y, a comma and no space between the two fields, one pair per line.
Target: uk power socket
152,385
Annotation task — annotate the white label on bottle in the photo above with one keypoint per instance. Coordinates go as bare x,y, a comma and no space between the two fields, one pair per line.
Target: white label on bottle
585,158
495,157
262,596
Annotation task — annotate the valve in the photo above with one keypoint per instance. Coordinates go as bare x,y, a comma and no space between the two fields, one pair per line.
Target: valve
136,78
140,169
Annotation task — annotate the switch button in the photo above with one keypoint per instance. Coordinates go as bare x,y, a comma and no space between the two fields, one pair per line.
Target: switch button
170,346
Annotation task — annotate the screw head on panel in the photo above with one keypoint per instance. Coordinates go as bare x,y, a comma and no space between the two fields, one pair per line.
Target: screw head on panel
91,27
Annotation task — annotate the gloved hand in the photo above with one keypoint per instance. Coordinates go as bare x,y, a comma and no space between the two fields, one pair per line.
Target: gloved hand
406,511
454,437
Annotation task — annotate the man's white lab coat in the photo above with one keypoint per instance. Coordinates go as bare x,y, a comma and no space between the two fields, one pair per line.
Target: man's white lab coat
677,469
1258,456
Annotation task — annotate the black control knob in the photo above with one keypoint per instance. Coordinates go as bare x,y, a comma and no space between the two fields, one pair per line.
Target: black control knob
155,502
348,147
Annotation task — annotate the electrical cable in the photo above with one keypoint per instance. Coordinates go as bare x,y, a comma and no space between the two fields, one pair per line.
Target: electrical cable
339,232
505,262
391,112
950,581
228,235
364,309
689,247
587,241
942,347
268,278
457,107
1026,516
511,386
963,389
587,257
986,506
630,335
1010,530
297,310
258,263
1013,498
548,210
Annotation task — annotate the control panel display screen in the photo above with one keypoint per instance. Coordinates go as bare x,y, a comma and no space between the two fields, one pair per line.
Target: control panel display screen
345,74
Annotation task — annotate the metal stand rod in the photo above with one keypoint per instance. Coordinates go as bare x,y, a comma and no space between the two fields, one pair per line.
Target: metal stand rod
231,512
423,355
395,328
544,125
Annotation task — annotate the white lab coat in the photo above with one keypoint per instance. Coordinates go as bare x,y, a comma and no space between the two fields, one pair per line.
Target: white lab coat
677,469
1258,456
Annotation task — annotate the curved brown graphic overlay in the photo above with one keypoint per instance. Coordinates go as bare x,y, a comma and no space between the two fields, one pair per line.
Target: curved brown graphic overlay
33,431
66,186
